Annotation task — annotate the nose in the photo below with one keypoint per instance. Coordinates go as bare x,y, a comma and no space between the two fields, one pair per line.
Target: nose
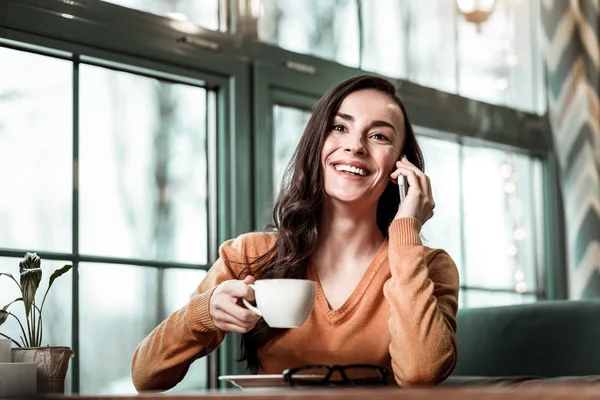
355,146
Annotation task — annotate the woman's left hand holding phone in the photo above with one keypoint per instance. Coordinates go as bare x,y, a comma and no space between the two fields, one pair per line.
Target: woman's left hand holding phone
419,202
225,309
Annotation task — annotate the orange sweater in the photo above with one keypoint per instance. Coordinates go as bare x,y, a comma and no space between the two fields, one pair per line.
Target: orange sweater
401,316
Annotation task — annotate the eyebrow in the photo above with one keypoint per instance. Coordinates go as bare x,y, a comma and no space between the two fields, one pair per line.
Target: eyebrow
376,123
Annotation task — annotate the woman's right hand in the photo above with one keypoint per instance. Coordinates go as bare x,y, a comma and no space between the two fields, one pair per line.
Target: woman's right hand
226,312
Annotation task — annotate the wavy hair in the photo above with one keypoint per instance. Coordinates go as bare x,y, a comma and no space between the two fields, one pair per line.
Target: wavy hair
297,212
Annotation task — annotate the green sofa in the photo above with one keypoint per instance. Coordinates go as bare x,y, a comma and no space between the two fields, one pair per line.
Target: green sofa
549,341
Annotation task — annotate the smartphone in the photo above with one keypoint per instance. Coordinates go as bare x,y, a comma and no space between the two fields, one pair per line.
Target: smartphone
402,187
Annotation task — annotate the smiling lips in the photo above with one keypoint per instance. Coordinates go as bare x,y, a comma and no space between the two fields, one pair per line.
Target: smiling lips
354,170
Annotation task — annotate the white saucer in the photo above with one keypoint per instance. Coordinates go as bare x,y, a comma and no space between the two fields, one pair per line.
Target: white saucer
256,381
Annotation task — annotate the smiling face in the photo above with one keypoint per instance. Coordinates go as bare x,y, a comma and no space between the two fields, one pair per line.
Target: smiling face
363,143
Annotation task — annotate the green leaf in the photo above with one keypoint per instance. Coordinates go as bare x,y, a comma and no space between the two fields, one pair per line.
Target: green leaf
31,276
58,273
55,275
4,313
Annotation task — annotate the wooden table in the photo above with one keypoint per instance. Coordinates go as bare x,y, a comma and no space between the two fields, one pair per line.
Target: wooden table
478,393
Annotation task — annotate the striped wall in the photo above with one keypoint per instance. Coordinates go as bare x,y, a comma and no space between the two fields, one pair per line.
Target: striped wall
570,35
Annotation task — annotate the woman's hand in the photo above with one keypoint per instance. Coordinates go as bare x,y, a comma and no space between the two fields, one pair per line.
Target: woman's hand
419,202
225,311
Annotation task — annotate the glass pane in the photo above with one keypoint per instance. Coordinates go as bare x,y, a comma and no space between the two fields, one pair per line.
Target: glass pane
205,13
118,307
383,37
143,168
289,124
481,298
36,151
123,317
431,44
178,285
482,50
442,166
499,220
523,58
322,28
57,312
499,61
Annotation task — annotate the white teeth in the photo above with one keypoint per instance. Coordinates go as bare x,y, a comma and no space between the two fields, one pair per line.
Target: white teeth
348,168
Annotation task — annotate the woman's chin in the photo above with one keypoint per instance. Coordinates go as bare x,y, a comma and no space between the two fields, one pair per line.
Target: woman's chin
349,198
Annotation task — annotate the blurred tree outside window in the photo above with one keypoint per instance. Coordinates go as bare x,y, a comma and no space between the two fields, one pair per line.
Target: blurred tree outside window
143,163
35,151
324,28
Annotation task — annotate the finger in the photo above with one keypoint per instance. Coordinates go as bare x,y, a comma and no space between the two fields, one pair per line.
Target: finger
401,169
249,280
224,318
424,179
240,313
239,289
414,184
232,328
408,173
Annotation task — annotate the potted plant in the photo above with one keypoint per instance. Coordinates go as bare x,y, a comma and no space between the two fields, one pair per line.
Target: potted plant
52,361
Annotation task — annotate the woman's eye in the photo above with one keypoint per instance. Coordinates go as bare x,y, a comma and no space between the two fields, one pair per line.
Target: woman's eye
340,128
379,136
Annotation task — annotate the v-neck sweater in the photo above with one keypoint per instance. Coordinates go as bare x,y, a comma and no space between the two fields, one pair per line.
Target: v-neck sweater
401,315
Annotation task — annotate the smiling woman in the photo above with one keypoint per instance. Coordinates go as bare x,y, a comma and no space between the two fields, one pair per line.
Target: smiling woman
383,299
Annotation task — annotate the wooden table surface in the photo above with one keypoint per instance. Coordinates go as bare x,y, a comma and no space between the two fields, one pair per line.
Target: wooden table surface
471,393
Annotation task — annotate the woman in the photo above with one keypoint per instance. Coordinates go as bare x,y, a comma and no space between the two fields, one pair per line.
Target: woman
382,298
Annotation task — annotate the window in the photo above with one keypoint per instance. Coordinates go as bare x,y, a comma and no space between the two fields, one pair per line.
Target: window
289,123
499,62
36,151
442,165
209,14
138,233
486,218
323,28
142,164
119,306
143,195
384,39
432,44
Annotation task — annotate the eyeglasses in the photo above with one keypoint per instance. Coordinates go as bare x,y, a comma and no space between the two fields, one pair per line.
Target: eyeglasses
336,375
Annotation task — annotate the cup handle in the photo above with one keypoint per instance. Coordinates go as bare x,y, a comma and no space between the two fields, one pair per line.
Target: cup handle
250,306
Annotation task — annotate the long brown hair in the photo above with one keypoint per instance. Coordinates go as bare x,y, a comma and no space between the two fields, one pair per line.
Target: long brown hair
297,212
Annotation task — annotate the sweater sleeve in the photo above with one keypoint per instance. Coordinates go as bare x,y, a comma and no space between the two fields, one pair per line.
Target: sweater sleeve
423,297
163,358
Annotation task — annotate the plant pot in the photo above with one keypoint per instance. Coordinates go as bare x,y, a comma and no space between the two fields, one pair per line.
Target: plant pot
52,365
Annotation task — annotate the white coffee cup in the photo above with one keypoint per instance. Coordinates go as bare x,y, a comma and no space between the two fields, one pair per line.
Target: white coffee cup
283,303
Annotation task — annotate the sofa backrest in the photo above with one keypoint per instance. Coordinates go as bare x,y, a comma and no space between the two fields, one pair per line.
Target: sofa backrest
545,339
